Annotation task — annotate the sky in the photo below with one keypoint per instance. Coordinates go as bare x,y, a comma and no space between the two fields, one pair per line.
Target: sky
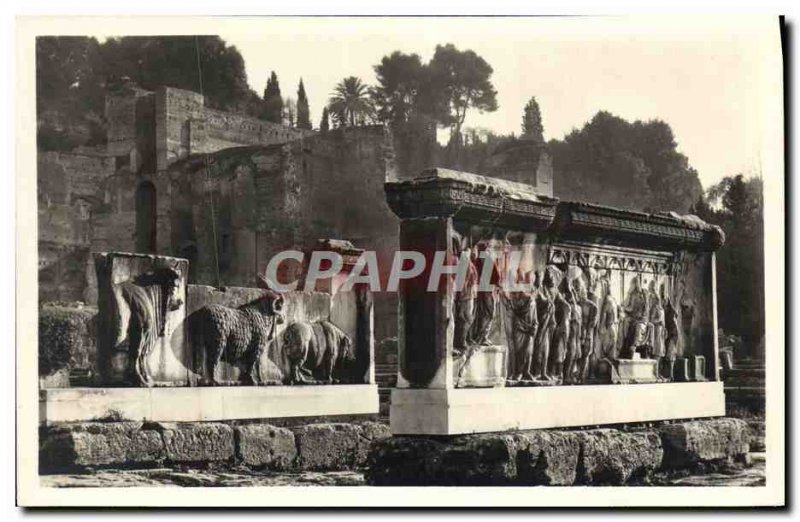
714,80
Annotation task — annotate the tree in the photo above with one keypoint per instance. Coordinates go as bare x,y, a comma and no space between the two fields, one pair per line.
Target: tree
289,112
402,80
324,123
532,122
69,92
630,165
350,103
199,63
273,103
303,114
73,74
673,182
464,79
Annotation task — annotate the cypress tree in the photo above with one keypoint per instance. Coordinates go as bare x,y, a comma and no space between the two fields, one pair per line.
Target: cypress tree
303,116
532,122
273,103
324,124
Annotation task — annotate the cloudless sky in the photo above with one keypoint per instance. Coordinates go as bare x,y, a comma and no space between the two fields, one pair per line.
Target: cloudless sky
716,81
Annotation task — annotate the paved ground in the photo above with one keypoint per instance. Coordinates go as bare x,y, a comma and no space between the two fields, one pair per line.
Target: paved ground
752,476
196,478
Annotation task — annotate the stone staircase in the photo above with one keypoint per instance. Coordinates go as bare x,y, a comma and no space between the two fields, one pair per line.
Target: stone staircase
386,378
745,396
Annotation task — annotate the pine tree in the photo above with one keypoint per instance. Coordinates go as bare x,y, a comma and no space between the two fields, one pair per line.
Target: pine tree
324,124
532,122
303,115
273,103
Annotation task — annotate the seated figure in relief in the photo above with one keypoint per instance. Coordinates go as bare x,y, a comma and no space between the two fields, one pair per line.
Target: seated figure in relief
638,331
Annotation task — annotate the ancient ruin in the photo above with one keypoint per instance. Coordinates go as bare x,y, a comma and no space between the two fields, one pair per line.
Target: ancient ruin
166,234
622,303
233,353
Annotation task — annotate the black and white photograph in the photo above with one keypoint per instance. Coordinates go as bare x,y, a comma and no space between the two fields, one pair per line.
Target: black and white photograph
374,256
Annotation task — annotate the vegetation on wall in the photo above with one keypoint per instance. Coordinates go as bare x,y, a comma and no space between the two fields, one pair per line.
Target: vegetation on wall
72,74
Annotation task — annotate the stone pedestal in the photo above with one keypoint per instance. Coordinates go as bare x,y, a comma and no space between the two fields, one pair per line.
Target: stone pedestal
479,410
484,367
628,371
697,368
198,404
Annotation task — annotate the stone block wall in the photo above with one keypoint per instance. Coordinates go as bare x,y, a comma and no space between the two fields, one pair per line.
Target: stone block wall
609,457
598,457
525,162
332,446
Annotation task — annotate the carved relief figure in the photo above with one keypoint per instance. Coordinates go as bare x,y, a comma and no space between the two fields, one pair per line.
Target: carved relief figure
464,300
609,322
687,315
317,352
140,308
590,313
636,325
561,335
238,336
575,333
486,301
546,314
521,306
657,319
672,341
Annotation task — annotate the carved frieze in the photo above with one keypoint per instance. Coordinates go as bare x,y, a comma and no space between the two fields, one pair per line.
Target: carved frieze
659,263
472,198
607,224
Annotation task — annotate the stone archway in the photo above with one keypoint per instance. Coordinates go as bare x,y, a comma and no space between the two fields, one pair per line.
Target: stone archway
146,218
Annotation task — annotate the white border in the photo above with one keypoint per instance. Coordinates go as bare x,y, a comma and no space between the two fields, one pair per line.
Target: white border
29,492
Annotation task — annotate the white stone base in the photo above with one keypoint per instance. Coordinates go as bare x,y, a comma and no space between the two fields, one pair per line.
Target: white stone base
479,410
206,403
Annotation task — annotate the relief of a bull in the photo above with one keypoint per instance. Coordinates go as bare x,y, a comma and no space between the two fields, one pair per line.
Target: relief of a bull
318,352
238,336
139,309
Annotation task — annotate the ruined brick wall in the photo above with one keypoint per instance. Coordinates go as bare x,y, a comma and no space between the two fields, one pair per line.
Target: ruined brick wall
524,162
87,199
185,126
130,133
278,197
70,194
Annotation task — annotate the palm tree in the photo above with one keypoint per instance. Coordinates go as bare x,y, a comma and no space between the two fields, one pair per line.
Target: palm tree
350,103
